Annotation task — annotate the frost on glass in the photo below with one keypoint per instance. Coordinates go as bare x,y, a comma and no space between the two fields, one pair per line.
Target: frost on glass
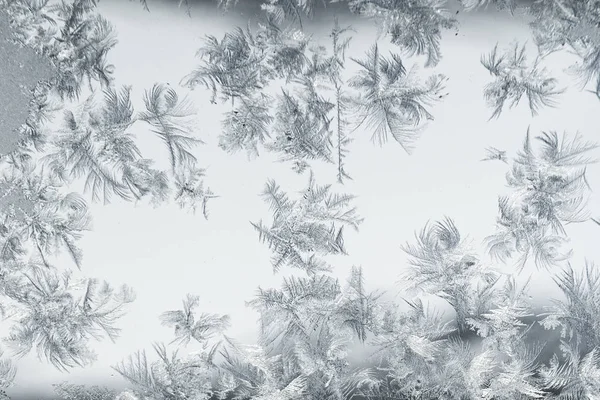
317,106
514,79
549,190
302,99
306,229
391,101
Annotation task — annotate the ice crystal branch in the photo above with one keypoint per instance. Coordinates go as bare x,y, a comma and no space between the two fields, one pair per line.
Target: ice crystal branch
37,215
493,153
74,37
575,378
415,26
515,79
78,156
302,128
167,115
173,377
549,190
190,190
391,100
442,264
309,323
244,62
560,23
306,229
232,66
406,345
170,377
334,66
514,362
358,308
188,326
52,318
96,145
250,372
248,125
577,317
310,107
8,372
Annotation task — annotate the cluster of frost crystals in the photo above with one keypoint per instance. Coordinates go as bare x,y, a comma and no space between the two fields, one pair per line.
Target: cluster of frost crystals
127,395
307,229
515,78
558,24
415,26
549,189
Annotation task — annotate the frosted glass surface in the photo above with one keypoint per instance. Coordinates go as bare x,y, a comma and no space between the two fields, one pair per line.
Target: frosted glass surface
455,170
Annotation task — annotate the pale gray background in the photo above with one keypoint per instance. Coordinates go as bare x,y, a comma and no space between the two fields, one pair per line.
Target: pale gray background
165,253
